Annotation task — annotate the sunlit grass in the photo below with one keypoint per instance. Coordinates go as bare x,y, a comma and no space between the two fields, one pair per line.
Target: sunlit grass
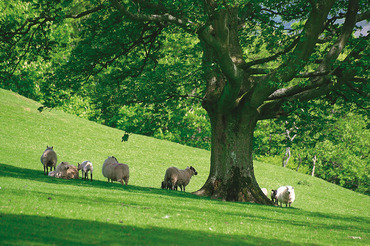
37,209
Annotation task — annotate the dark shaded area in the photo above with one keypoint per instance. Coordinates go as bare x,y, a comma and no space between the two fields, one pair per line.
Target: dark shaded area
26,230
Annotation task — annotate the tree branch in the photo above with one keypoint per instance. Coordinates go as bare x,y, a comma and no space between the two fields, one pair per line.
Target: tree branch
325,65
299,57
186,24
273,57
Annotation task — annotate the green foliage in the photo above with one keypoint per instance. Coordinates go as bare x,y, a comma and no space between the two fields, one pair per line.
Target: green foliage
344,154
339,138
37,209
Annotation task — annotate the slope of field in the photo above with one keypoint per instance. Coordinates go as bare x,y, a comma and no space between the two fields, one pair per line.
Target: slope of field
40,210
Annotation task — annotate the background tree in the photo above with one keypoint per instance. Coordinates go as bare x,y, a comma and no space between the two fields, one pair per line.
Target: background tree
119,44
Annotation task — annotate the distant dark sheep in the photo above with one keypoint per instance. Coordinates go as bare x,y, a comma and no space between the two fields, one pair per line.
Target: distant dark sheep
168,185
176,177
49,159
273,196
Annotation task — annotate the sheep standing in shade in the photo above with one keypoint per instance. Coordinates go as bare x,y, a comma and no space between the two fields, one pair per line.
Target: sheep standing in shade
49,159
167,185
115,171
65,171
175,177
273,196
85,167
285,194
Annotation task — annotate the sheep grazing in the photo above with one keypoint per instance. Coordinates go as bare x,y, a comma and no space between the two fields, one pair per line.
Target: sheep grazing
175,177
85,167
285,194
168,185
65,171
48,159
273,196
115,171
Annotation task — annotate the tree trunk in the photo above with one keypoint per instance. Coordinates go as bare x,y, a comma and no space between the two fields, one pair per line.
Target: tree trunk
314,159
286,157
299,162
231,175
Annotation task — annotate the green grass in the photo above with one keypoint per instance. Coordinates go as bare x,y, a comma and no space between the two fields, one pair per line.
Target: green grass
40,210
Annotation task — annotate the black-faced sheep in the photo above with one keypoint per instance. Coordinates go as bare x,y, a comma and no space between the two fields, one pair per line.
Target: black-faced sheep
65,171
85,167
49,159
285,194
176,177
273,196
115,171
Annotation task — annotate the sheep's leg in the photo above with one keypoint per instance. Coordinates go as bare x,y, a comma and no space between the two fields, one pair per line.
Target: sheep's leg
44,169
90,176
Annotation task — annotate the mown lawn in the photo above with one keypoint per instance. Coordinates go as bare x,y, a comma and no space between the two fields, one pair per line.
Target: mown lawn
40,210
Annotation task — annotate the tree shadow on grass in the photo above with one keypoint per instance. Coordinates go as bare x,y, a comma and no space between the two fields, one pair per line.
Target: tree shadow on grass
36,175
30,229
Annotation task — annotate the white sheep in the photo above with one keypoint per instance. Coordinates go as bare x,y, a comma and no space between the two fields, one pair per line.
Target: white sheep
176,177
115,171
49,159
65,171
85,167
264,190
285,194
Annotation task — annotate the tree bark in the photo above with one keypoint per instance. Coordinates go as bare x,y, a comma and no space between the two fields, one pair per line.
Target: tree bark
314,159
286,157
231,176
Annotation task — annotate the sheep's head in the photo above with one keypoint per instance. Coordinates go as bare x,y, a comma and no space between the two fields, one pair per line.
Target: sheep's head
273,193
112,157
193,169
78,166
47,147
289,189
64,165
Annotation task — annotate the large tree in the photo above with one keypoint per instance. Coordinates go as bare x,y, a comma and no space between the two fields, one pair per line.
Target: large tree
255,65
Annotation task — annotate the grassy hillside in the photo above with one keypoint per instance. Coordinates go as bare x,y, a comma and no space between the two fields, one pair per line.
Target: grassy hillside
40,210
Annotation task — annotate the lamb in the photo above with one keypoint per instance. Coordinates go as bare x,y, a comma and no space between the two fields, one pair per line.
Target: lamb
48,159
167,185
285,194
85,167
65,171
273,196
115,171
175,177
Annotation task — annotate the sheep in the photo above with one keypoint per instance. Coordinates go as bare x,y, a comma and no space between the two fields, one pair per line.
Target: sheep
168,185
115,171
273,196
285,194
175,177
65,171
264,190
49,159
85,167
